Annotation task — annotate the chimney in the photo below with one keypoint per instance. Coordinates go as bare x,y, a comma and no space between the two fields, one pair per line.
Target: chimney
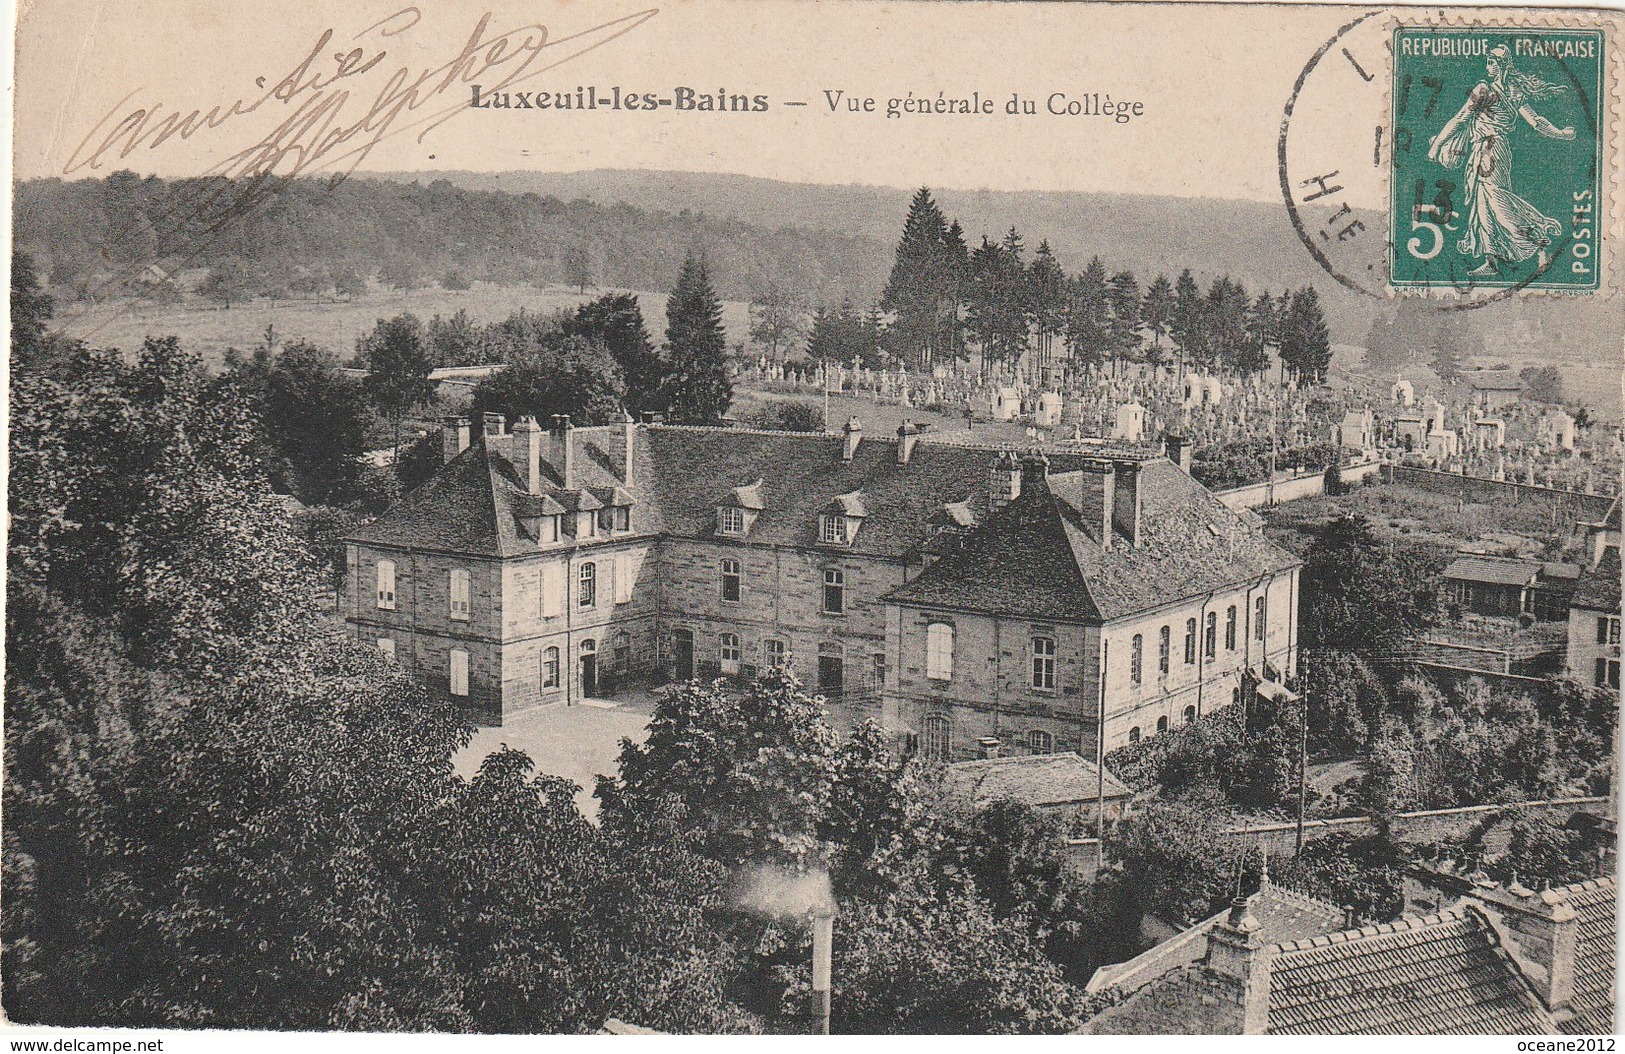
907,436
564,450
1236,953
1034,470
491,427
1098,499
453,437
1178,449
1126,501
854,436
987,748
527,453
1004,482
629,429
1545,928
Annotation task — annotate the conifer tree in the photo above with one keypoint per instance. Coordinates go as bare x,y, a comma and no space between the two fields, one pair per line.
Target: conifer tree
920,293
1086,332
1186,324
698,389
1047,294
1306,347
1123,328
1157,311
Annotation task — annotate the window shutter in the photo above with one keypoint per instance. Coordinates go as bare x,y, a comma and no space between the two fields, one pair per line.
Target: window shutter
459,672
1602,629
552,590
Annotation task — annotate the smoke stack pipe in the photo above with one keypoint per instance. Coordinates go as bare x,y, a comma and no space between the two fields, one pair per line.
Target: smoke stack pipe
823,938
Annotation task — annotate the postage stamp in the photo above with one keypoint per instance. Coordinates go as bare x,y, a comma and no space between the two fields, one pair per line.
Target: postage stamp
1496,165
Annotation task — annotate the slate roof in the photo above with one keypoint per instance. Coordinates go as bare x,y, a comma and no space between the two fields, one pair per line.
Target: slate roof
1190,543
1428,975
1599,588
1282,914
1594,982
1066,778
1503,572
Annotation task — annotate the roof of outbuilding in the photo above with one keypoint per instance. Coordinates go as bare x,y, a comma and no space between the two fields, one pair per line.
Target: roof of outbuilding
1190,543
1427,975
1501,572
1065,778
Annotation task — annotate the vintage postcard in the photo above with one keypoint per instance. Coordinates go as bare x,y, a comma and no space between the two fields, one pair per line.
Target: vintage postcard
797,517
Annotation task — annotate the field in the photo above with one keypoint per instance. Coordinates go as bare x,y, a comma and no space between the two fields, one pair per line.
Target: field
210,330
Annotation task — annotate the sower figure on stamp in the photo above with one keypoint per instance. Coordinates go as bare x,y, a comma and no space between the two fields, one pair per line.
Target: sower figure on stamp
1501,226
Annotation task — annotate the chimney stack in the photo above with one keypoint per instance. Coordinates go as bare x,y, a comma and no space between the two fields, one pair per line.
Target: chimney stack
987,748
491,427
527,453
1004,482
1126,501
907,436
629,429
1546,929
854,436
1034,470
1178,449
1098,499
564,450
1237,954
453,437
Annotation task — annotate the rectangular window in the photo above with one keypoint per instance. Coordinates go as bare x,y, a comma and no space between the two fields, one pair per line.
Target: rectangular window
939,651
1136,658
550,529
728,653
1164,649
1608,629
386,584
832,529
606,519
1212,635
623,518
1044,663
877,672
550,668
1608,673
731,520
459,671
587,596
586,525
732,578
553,590
1230,629
834,591
1259,612
1190,642
773,653
459,595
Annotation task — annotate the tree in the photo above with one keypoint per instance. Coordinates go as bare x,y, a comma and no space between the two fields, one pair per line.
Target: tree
996,312
576,265
456,280
615,321
401,273
921,292
1176,863
1306,347
571,376
1123,299
698,389
1186,323
777,319
1543,384
1158,309
1047,299
227,282
348,284
456,341
1362,594
398,360
1088,319
31,309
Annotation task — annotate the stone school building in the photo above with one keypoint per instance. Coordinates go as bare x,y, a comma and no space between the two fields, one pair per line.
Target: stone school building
955,593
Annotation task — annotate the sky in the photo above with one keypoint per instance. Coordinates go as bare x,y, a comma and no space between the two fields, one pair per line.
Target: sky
1211,83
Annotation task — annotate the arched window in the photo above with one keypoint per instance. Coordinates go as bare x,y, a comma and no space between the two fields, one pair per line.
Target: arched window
550,668
457,663
459,595
731,581
1230,629
728,652
1259,612
589,647
385,575
588,595
1190,715
1164,648
1040,742
939,651
1190,642
1134,734
1212,635
1162,725
1043,663
939,737
1136,658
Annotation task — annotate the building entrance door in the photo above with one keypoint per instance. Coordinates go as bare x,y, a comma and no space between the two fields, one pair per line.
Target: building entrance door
589,668
682,655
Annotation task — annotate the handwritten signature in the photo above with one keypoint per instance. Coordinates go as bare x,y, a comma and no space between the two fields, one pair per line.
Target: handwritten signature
332,109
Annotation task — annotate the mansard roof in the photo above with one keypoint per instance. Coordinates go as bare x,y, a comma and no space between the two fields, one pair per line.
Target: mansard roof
1042,557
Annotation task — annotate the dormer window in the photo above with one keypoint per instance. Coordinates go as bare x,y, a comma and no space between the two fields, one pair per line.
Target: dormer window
832,529
548,530
730,520
623,518
736,513
587,527
838,521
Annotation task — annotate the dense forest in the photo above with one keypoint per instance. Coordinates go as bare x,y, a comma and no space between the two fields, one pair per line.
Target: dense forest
97,237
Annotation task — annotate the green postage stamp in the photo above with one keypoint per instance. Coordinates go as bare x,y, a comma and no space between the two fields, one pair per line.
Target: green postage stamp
1497,158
